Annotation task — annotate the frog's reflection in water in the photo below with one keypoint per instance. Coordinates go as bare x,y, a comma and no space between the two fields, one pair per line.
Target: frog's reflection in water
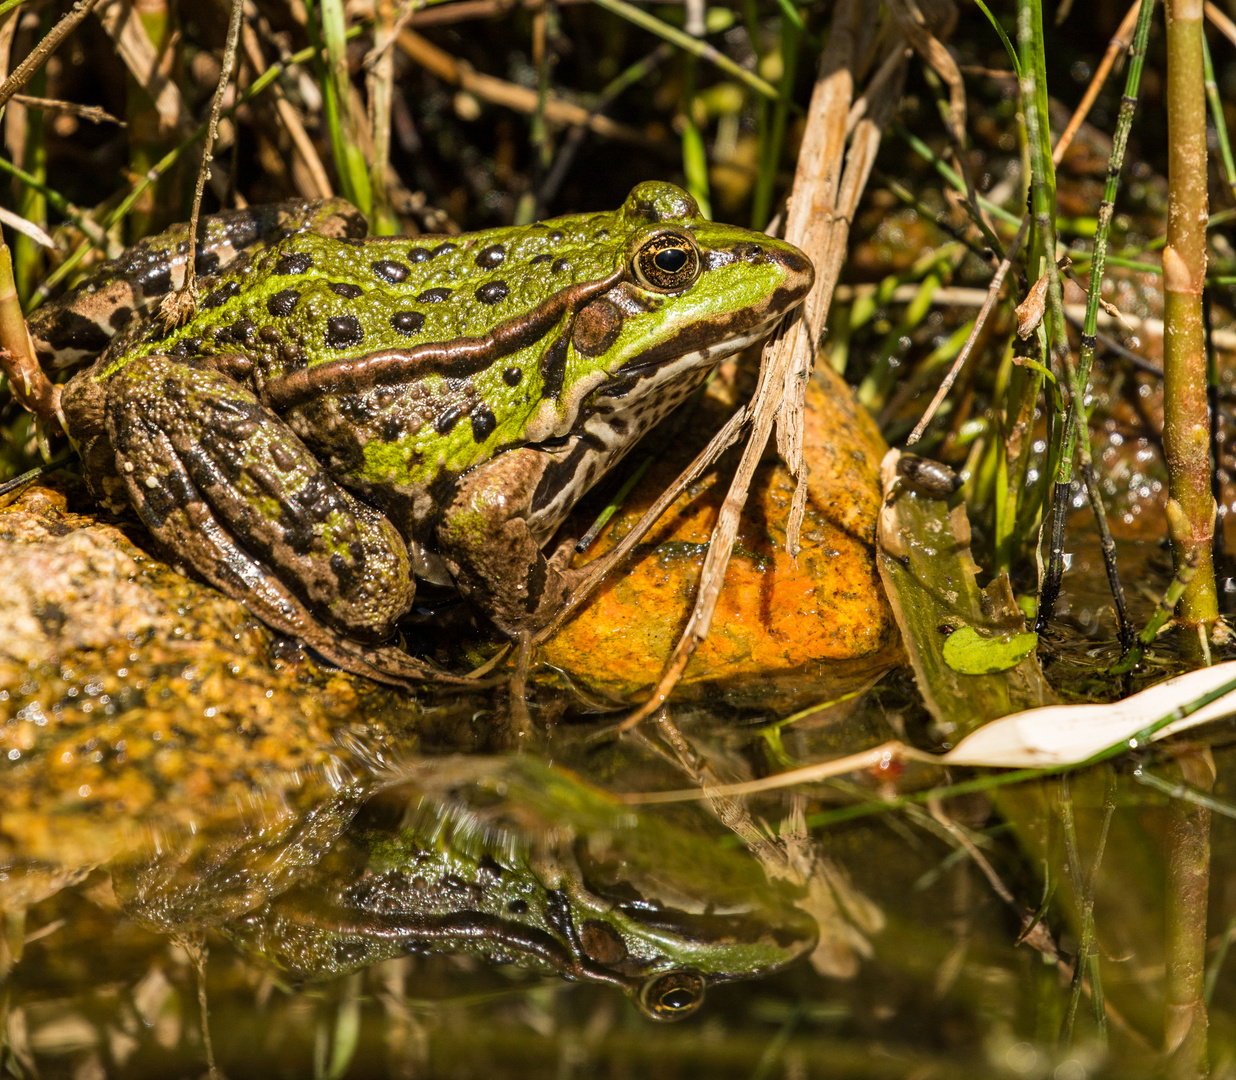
508,859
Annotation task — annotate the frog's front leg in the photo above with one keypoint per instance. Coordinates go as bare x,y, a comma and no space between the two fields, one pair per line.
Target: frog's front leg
490,547
227,487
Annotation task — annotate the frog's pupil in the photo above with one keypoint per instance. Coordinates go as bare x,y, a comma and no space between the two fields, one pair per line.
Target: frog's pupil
670,260
680,998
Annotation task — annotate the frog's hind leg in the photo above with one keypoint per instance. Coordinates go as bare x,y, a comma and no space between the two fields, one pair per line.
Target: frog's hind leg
224,485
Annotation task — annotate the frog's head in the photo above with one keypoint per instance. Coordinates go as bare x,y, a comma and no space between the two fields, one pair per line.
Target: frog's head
555,876
693,291
665,932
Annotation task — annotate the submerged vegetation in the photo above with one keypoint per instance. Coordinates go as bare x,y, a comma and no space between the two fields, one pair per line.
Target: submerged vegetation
711,780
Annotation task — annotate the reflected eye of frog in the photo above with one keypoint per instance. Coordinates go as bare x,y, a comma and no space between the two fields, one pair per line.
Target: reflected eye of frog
672,996
631,902
344,414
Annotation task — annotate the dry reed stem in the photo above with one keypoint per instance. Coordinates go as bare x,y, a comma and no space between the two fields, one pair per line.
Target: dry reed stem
500,92
311,178
812,207
121,23
1221,22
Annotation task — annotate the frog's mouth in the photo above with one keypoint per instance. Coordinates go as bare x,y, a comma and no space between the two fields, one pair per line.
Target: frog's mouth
685,352
704,355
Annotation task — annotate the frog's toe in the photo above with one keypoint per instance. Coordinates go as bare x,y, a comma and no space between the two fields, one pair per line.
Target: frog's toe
224,484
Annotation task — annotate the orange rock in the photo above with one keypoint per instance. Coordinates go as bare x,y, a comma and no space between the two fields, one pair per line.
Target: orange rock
786,631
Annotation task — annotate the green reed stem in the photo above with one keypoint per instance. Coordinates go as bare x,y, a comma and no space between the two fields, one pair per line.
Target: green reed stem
771,145
950,174
1186,416
326,18
694,153
1078,432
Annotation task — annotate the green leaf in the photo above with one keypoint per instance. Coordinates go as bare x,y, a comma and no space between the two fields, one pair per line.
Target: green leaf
970,653
1008,45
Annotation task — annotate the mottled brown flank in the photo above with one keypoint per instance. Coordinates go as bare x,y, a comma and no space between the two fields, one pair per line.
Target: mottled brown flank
597,328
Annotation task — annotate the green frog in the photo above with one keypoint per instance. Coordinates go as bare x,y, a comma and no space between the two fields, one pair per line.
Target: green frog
345,414
530,865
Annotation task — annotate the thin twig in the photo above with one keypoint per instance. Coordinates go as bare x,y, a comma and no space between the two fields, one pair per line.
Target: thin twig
1118,44
39,54
183,310
94,113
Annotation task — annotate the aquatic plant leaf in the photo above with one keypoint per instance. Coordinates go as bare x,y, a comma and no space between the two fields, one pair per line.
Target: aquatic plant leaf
971,653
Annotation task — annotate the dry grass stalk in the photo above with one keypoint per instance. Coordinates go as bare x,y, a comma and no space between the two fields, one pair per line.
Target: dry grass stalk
308,172
826,191
133,45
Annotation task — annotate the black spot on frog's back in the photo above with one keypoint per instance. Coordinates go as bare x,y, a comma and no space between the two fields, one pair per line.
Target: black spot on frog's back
283,303
390,270
493,292
447,419
483,423
296,262
490,257
407,322
156,281
222,294
205,262
343,330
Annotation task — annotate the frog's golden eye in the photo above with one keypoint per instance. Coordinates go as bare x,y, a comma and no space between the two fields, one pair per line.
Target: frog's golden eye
673,995
667,263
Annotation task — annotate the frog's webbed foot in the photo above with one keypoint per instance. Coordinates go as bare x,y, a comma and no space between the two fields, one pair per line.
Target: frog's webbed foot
225,486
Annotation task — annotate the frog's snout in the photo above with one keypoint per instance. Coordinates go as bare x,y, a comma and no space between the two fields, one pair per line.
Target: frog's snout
797,268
